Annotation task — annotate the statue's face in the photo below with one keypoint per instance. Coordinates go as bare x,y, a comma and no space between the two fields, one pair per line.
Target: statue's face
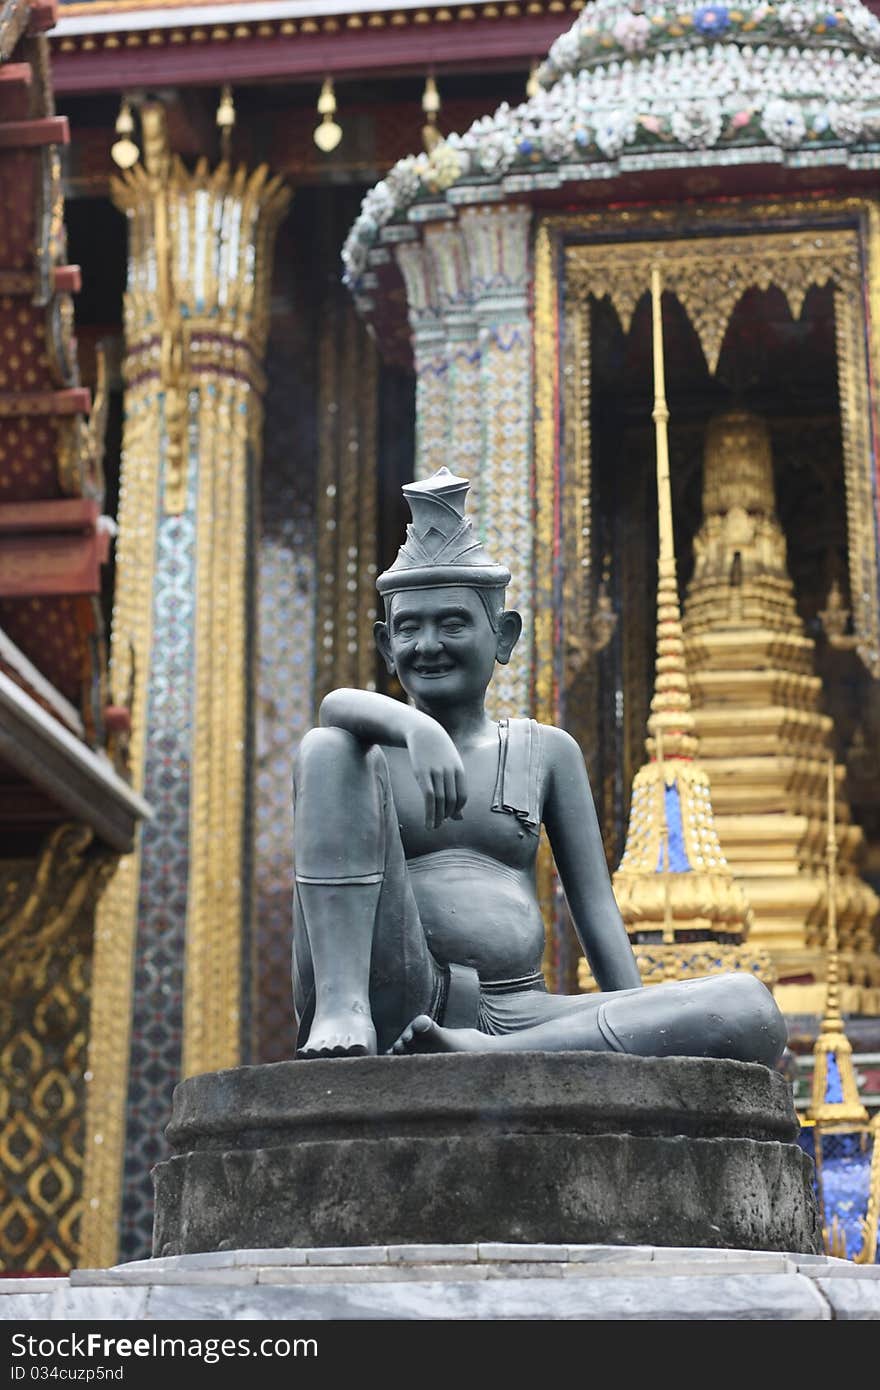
442,645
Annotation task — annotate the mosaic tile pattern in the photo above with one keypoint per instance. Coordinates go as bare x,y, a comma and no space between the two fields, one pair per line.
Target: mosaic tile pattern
505,494
157,1019
285,683
284,663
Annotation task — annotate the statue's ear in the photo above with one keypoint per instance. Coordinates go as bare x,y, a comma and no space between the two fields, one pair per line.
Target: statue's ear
509,629
383,642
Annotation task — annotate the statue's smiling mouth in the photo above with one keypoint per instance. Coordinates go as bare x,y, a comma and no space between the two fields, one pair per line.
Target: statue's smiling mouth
433,670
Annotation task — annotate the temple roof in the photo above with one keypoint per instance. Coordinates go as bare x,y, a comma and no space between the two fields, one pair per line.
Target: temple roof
634,87
54,763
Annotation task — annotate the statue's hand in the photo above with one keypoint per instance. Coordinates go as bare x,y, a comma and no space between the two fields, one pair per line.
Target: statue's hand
439,772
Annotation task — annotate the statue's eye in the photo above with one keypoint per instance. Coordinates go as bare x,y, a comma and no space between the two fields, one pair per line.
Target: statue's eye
406,629
452,625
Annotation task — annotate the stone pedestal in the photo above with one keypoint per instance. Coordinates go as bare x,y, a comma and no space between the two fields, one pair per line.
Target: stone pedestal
535,1147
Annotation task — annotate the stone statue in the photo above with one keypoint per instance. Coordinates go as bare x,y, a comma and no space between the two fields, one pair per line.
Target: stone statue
417,927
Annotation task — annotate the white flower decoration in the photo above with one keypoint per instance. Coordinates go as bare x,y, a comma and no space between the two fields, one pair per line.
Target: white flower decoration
792,18
846,121
354,257
865,26
613,130
404,181
496,152
631,32
378,204
564,53
556,139
784,123
698,125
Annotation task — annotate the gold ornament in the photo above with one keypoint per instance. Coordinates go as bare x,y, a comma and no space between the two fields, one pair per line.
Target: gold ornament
226,119
844,1141
124,151
329,133
431,136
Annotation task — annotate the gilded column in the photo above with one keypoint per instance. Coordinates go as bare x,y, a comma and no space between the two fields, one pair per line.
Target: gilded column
172,929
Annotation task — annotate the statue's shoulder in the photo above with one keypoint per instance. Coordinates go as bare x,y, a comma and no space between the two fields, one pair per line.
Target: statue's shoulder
560,749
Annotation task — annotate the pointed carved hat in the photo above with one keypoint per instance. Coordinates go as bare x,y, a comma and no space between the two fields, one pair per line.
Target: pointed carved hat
441,548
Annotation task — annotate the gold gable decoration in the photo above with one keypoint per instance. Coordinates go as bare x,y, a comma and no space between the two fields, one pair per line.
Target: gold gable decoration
709,274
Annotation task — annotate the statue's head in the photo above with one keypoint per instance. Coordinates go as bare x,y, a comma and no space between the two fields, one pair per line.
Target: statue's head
445,621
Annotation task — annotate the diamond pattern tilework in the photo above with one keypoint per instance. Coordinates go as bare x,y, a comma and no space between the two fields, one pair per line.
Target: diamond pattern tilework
157,1018
285,664
42,1100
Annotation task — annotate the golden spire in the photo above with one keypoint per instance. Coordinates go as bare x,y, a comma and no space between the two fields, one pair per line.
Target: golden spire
671,705
673,878
833,1072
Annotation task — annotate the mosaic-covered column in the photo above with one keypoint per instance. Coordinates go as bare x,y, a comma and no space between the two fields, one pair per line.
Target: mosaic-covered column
429,352
172,936
498,250
467,285
447,254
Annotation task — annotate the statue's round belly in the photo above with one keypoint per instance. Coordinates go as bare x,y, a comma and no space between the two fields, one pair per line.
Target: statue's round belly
489,920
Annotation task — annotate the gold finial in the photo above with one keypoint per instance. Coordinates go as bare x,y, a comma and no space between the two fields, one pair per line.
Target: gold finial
431,106
835,620
226,119
832,1041
533,86
329,133
671,704
157,154
124,151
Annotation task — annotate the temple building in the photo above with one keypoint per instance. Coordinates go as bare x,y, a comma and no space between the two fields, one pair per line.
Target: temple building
262,262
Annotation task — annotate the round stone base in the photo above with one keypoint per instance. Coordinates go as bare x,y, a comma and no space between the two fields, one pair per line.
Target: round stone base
536,1147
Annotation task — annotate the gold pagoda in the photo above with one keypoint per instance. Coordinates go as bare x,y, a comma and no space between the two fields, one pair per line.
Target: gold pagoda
764,740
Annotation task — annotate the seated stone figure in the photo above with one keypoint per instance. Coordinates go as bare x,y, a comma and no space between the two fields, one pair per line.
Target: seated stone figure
417,927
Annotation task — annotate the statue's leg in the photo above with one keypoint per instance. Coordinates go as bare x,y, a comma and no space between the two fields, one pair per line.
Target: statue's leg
728,1015
360,957
338,853
731,1015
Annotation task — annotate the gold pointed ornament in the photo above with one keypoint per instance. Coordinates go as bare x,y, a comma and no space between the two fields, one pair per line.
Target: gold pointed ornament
431,106
533,86
685,913
226,119
329,133
124,152
845,1145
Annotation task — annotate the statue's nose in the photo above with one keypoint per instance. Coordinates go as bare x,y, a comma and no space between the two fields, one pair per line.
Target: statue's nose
428,641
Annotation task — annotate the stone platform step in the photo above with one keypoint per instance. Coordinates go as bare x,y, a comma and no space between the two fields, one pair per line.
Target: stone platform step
458,1282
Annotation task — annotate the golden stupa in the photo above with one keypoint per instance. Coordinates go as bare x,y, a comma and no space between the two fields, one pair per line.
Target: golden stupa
764,740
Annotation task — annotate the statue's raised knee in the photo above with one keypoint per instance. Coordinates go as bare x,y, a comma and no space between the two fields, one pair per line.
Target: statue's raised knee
327,747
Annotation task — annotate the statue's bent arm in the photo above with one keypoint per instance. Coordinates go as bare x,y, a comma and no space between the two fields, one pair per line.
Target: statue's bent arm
573,829
436,764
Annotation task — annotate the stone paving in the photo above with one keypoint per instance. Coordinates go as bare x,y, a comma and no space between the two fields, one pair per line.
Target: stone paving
482,1281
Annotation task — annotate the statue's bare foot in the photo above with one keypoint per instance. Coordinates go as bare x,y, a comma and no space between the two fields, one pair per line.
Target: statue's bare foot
424,1035
340,1035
